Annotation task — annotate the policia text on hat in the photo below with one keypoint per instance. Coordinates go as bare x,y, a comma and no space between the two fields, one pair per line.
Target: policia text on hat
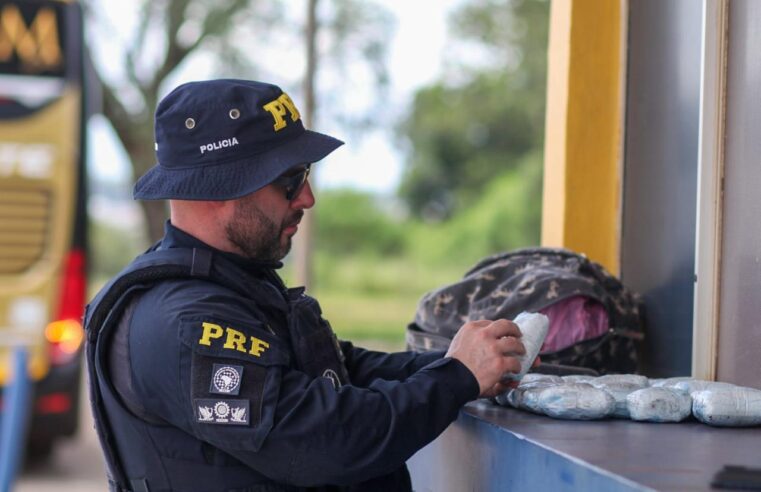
208,374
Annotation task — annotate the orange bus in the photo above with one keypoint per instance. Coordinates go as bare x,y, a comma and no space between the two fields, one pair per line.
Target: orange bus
43,222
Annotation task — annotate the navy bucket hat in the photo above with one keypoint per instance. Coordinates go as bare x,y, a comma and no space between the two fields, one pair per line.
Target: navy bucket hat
223,139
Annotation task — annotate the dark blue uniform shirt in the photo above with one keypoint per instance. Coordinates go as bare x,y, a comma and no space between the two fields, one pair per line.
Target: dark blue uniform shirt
205,360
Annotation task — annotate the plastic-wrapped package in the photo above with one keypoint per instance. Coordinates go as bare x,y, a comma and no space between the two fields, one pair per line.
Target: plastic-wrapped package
577,378
575,401
619,386
530,397
534,327
619,392
534,377
514,397
694,385
659,405
728,407
668,382
635,379
504,399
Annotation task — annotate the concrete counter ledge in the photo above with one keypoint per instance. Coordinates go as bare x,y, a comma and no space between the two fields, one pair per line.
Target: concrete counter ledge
491,448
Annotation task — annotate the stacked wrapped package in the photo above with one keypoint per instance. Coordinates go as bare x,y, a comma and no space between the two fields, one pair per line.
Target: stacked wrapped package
631,396
575,401
625,396
727,407
659,405
620,391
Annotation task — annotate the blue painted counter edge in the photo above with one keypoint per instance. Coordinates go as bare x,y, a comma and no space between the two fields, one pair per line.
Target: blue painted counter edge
475,455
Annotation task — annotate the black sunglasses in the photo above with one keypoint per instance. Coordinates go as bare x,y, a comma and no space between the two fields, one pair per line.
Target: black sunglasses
293,181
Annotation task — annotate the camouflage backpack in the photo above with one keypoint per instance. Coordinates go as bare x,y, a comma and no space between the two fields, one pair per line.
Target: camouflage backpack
539,280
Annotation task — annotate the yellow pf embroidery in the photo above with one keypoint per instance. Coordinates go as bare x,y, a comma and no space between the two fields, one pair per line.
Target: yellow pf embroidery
278,108
288,103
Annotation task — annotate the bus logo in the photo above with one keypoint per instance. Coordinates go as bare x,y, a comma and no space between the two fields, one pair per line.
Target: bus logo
36,45
31,161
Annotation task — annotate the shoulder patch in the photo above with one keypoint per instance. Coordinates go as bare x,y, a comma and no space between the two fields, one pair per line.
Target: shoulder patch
226,379
244,340
227,391
229,412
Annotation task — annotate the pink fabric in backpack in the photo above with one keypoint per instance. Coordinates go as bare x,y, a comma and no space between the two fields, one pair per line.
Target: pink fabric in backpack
573,320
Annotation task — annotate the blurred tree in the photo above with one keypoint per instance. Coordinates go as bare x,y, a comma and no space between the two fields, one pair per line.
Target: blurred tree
353,222
505,216
358,33
111,247
170,32
485,114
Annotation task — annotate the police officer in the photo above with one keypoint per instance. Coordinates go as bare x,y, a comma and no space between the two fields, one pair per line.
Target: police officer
208,374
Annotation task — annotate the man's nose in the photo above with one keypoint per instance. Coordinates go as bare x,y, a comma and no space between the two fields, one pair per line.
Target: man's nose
305,198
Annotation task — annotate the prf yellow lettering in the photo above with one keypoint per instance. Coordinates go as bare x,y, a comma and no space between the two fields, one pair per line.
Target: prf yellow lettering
210,330
278,108
258,347
235,340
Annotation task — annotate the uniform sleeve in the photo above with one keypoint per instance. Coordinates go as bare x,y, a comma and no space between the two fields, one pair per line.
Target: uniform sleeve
364,366
229,382
324,435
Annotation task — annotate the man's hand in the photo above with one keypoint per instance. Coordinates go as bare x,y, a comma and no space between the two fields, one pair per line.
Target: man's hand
503,386
489,349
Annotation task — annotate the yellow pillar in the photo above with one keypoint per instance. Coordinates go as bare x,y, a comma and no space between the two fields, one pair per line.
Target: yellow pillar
583,134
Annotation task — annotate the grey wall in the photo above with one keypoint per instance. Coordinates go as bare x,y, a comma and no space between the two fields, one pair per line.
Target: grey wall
660,175
739,355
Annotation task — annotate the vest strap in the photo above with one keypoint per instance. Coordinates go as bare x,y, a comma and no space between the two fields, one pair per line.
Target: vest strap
200,263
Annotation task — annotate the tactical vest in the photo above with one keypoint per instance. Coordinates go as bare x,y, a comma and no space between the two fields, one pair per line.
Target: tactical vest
138,462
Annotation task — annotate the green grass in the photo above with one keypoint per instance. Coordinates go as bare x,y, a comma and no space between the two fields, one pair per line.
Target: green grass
357,316
371,300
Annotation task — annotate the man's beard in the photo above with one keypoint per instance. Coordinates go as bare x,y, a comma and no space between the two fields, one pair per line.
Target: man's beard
256,235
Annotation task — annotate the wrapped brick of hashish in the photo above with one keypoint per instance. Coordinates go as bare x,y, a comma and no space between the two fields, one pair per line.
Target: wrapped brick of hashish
728,407
534,377
633,379
619,392
659,405
620,386
534,327
669,382
514,397
694,385
530,398
577,378
576,401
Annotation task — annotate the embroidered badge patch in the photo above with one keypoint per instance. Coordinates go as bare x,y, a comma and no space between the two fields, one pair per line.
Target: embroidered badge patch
229,412
225,379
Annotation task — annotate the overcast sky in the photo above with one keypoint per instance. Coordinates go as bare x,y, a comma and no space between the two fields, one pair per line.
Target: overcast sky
372,163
